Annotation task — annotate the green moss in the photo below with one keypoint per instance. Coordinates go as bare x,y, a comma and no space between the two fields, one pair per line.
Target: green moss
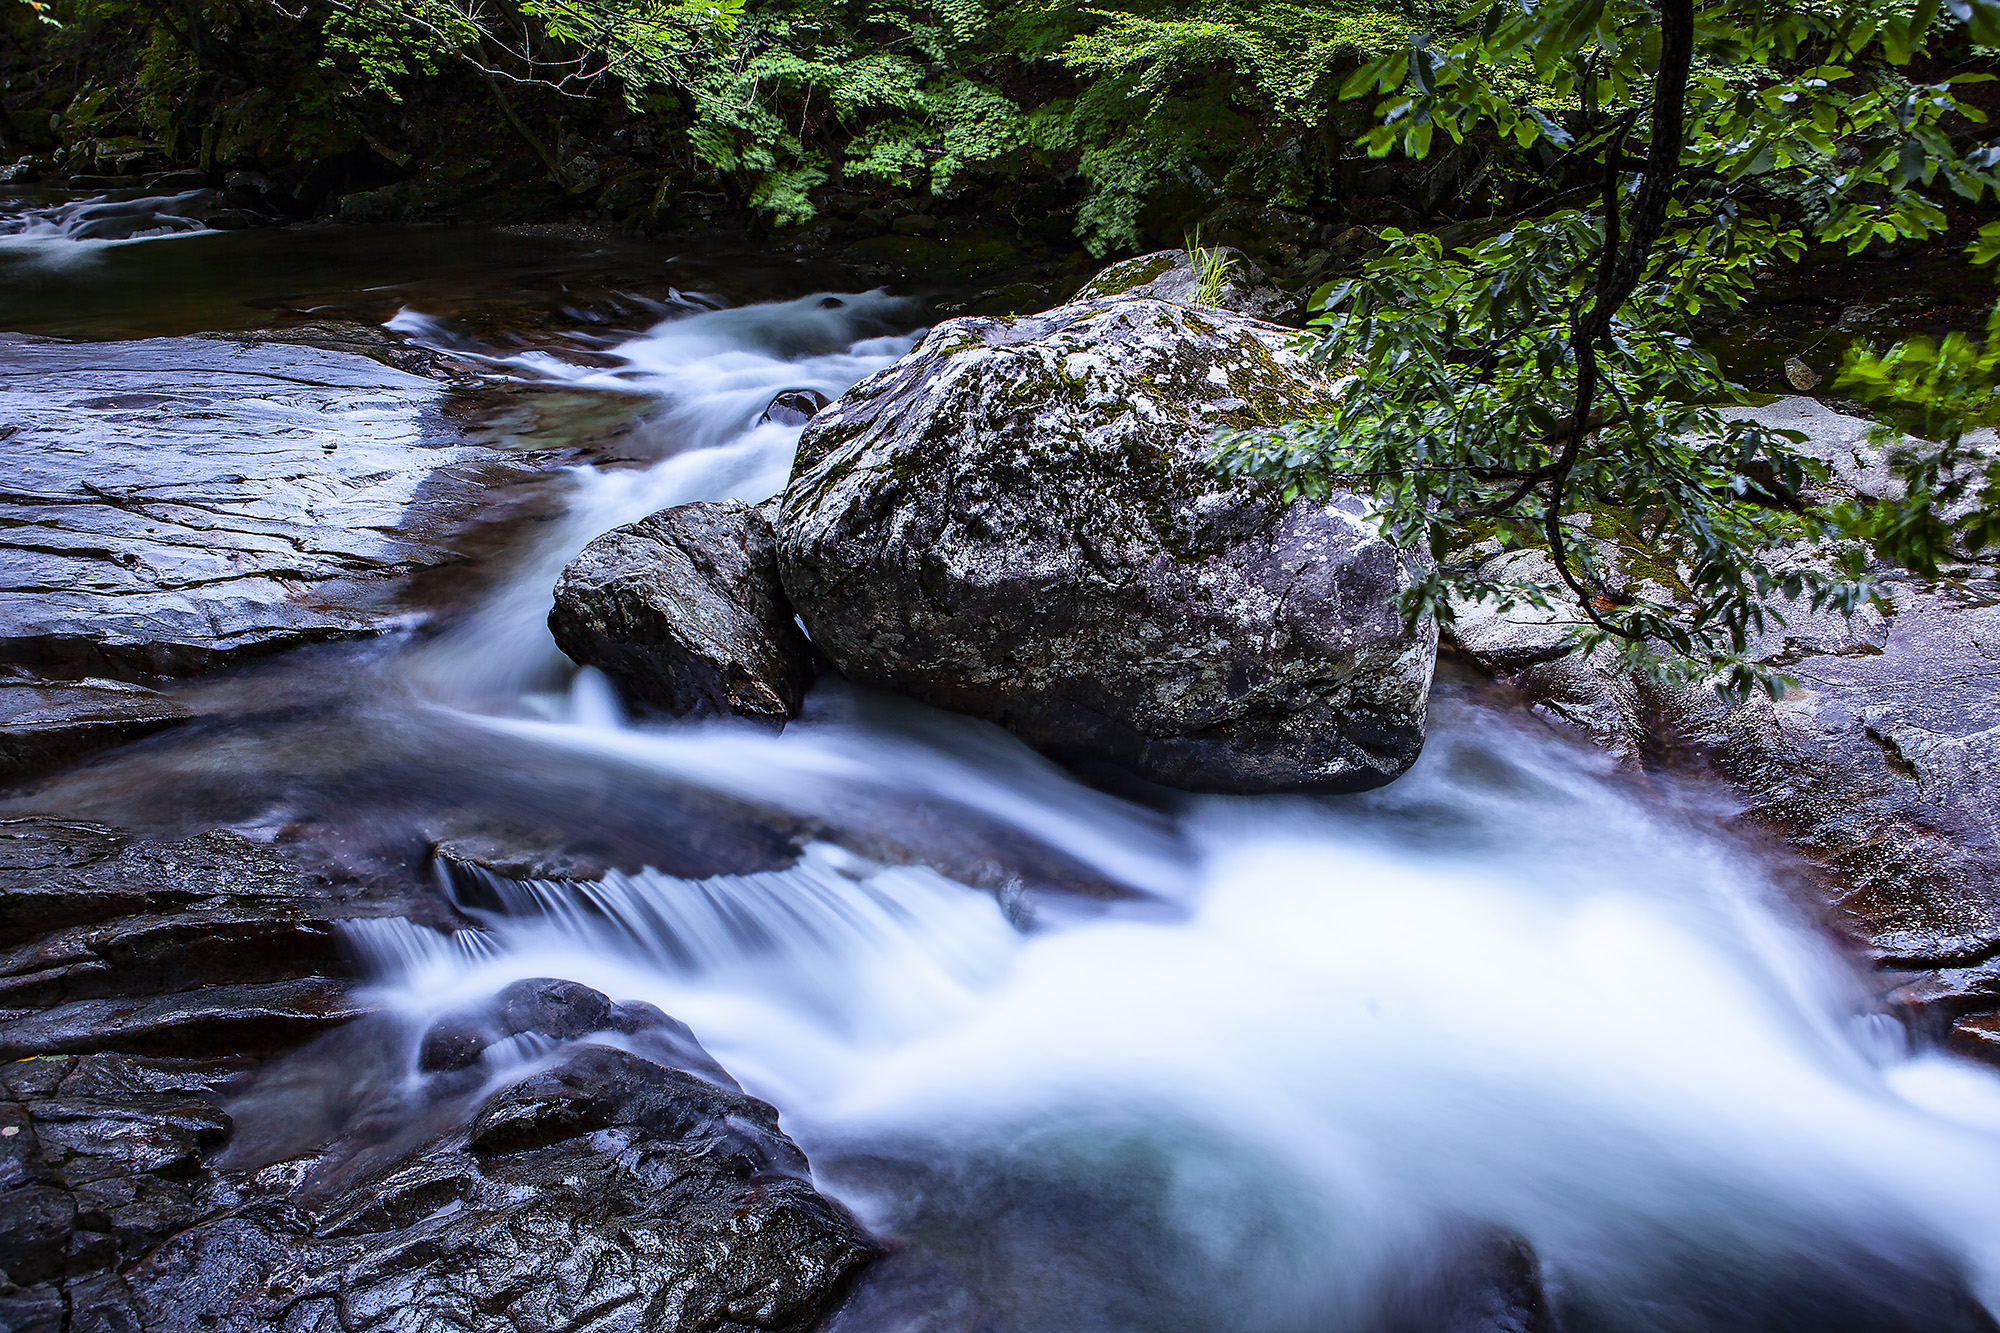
1122,277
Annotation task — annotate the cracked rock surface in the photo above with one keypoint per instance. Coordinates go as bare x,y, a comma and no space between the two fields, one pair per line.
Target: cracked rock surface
171,503
1018,520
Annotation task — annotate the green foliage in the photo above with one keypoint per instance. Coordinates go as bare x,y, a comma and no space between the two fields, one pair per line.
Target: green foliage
1952,491
787,94
1211,270
1545,383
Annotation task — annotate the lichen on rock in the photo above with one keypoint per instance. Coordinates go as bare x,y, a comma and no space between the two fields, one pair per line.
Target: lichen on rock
1020,520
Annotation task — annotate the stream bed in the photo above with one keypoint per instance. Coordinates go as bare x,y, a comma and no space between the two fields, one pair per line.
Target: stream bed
1116,1062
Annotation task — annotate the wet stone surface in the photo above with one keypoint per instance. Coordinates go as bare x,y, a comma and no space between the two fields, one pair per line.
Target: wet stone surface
160,1170
173,503
44,723
1019,521
684,612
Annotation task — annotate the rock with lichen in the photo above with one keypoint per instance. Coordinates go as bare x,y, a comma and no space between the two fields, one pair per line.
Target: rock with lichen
1021,520
1169,275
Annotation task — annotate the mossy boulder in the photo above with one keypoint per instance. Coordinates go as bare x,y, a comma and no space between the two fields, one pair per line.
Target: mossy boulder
1019,520
1169,276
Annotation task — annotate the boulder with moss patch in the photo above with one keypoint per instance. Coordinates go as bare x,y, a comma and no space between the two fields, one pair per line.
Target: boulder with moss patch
1169,276
1019,520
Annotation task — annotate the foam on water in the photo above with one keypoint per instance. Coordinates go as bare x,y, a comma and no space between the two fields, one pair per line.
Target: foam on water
714,372
1505,992
75,229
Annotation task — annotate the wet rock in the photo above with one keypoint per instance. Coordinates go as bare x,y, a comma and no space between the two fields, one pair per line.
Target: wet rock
793,407
45,723
36,1309
1473,1280
354,338
1019,521
607,1191
256,1019
1884,766
176,502
668,1041
546,1006
1529,647
554,1008
563,1011
455,1041
1167,275
683,612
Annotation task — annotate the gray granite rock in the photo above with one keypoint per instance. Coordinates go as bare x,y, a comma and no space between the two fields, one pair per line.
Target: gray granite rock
1167,275
45,723
175,502
682,610
1884,765
1019,521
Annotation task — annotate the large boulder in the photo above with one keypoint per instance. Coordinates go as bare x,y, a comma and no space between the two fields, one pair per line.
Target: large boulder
1019,520
682,610
1169,275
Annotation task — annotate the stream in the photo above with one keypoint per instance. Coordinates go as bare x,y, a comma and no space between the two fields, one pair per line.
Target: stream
1133,1062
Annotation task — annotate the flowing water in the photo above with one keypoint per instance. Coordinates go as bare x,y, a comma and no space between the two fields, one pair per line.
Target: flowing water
1282,1057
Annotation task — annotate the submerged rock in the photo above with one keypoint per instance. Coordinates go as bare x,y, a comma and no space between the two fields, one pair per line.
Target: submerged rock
1019,520
1168,275
683,612
44,723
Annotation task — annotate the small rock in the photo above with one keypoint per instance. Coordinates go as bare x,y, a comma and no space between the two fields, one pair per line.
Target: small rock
553,1008
455,1042
684,613
793,407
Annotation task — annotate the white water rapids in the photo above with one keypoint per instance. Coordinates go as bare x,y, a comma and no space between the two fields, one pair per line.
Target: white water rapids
1509,991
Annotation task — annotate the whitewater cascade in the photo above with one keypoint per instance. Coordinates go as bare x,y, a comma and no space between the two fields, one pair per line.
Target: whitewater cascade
1316,1040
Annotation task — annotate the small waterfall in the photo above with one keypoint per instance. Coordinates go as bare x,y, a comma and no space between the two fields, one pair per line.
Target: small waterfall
713,371
1504,994
56,232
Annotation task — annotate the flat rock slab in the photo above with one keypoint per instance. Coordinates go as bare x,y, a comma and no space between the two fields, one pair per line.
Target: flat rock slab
43,723
174,502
